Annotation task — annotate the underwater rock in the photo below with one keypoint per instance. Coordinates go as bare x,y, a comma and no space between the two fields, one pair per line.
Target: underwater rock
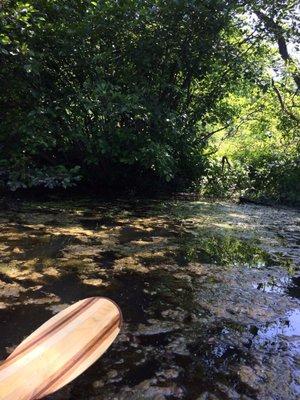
168,374
156,328
98,384
208,396
250,377
179,347
147,390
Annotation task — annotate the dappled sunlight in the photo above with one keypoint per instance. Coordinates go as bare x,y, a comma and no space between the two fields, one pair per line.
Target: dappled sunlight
182,272
237,216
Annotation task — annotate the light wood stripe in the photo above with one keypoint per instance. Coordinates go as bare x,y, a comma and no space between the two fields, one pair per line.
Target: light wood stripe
35,352
20,350
18,353
62,374
60,349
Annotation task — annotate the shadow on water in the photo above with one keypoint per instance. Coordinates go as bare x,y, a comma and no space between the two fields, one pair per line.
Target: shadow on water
18,322
96,223
293,288
46,247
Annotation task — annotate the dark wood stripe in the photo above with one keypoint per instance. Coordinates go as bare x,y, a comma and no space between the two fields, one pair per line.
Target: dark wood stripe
119,309
80,356
59,324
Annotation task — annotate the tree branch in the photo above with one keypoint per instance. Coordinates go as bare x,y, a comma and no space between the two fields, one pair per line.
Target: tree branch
278,32
282,104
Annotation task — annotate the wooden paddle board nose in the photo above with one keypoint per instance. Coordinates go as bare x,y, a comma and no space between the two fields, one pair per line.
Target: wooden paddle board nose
60,350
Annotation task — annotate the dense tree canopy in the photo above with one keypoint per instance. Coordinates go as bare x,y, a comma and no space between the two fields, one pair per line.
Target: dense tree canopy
108,92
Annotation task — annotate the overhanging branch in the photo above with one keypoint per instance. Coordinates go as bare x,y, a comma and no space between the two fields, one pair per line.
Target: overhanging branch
282,103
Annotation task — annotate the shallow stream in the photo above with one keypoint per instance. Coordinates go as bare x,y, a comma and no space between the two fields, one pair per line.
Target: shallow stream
210,293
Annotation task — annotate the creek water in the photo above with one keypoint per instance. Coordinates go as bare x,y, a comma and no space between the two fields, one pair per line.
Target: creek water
210,293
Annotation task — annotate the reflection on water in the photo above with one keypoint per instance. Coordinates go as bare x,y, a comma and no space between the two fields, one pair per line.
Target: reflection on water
209,294
287,326
283,285
223,250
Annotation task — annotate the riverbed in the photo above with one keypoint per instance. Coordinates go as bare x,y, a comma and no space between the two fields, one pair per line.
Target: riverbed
210,293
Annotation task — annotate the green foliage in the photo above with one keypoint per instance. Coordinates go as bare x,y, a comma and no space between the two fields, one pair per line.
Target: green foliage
257,155
114,92
265,177
114,87
261,166
48,177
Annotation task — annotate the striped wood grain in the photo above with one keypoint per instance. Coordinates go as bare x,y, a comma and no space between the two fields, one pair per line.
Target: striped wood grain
60,350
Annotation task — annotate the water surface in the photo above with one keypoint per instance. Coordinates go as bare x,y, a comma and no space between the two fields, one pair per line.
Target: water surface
209,292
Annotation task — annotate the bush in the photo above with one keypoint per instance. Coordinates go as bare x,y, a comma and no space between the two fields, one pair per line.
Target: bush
273,176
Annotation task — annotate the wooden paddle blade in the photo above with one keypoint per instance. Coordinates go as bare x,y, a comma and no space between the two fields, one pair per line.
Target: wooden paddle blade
60,350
